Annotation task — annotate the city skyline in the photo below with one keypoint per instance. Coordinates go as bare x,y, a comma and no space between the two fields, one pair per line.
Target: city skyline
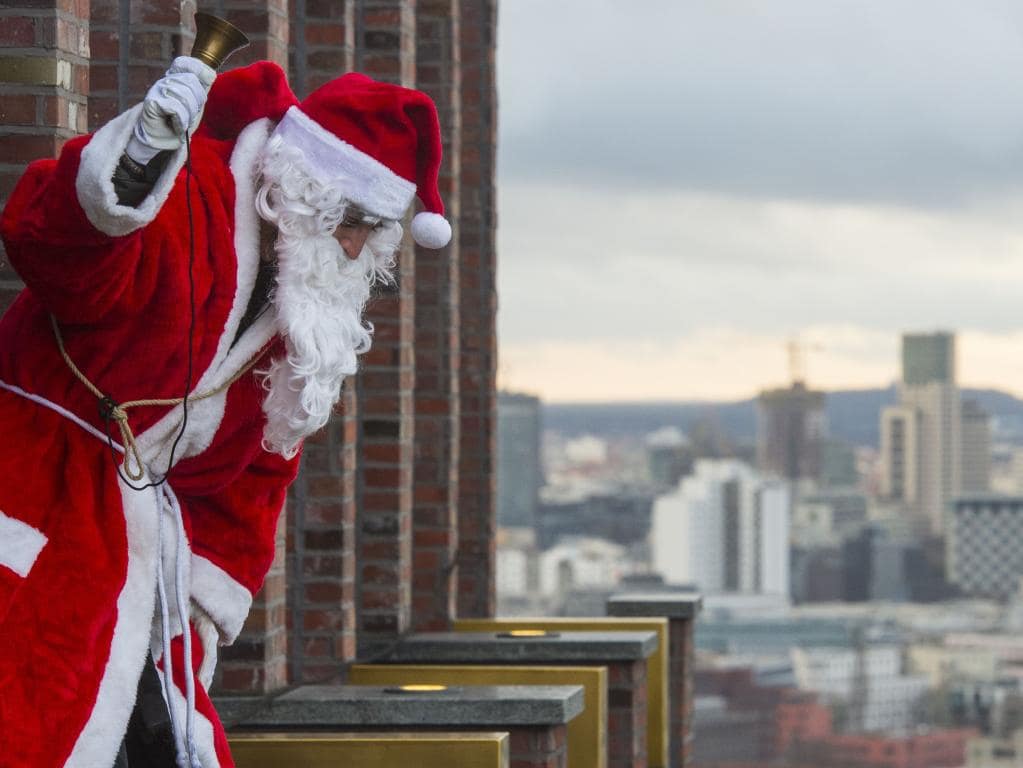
840,171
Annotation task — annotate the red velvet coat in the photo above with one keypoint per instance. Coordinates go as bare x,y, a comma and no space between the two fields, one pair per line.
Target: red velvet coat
78,549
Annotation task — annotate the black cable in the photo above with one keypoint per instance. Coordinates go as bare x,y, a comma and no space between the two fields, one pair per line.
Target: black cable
191,344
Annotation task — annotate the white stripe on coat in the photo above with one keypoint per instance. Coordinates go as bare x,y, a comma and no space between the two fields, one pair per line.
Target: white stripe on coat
20,544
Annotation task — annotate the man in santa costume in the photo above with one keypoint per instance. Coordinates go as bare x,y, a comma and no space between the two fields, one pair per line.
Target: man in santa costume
193,302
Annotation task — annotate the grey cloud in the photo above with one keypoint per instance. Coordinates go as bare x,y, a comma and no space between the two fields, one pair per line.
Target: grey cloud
914,103
578,265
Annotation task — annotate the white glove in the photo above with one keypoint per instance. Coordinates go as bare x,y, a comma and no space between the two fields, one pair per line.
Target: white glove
173,104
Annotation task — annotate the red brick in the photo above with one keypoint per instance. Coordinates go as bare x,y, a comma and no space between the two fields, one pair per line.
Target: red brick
325,34
317,619
375,599
322,592
238,679
379,477
103,11
380,575
104,45
160,14
324,486
147,45
326,9
382,18
20,148
17,32
324,565
18,109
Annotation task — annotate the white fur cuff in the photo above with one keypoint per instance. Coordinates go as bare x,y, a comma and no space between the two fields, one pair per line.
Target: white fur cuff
95,186
225,600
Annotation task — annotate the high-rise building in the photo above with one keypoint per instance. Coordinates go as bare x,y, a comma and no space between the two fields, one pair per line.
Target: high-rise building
726,529
976,448
791,427
838,464
519,470
669,457
984,545
900,466
921,437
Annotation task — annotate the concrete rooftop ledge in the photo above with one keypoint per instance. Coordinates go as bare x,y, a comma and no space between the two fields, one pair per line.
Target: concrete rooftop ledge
671,605
356,706
489,648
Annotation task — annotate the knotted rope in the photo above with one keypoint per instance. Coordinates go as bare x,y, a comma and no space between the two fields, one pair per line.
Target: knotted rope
110,410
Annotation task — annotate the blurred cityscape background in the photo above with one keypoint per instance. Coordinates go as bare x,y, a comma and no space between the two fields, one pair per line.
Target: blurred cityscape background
759,336
860,554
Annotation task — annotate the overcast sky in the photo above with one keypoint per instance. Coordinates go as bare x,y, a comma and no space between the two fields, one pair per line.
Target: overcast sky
685,185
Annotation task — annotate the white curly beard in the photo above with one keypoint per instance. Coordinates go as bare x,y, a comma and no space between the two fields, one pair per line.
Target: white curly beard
318,301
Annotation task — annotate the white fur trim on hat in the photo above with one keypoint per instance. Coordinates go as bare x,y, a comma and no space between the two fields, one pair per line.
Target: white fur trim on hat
431,230
362,179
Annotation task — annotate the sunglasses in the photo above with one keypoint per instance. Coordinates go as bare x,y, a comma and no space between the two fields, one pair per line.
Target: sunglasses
354,217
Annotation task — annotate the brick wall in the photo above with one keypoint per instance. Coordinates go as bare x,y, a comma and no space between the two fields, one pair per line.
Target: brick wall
478,307
539,747
385,50
265,23
44,86
681,655
322,42
435,470
627,715
322,503
321,551
132,44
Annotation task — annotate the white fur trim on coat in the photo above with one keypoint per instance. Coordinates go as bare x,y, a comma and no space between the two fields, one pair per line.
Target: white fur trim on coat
222,598
362,179
20,544
204,416
101,736
95,187
204,741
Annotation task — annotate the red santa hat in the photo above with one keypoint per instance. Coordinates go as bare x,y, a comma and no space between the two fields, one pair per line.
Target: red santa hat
379,144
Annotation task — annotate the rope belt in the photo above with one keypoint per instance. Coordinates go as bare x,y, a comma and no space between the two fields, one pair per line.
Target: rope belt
109,409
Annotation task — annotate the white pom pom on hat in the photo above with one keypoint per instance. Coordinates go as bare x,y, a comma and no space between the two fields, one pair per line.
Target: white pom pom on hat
431,230
379,143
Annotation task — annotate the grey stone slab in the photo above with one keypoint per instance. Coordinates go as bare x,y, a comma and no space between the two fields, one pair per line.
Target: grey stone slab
671,605
232,709
490,648
359,706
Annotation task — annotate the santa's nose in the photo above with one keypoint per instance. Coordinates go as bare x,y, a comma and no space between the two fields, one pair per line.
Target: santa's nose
353,239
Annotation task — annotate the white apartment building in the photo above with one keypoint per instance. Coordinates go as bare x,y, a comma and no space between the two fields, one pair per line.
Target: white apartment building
725,529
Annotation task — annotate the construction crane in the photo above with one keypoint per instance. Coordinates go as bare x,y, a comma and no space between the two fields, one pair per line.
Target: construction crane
797,358
797,361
